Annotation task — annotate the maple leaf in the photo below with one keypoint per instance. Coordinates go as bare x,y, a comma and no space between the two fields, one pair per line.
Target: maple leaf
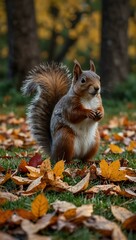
111,171
39,205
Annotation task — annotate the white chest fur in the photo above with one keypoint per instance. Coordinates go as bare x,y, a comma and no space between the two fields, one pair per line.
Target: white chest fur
86,130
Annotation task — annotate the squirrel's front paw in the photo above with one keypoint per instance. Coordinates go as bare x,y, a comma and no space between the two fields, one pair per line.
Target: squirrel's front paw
98,115
92,114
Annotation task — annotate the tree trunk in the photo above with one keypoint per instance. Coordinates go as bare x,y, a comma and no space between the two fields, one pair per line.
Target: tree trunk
114,55
22,37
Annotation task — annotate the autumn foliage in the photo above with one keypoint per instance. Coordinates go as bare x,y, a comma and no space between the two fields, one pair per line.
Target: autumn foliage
36,176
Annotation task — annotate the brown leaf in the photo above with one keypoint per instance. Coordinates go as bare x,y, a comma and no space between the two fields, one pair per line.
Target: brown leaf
45,166
36,160
25,214
83,212
39,205
120,213
130,223
8,196
5,236
22,166
21,180
42,223
98,188
38,237
62,206
80,186
37,185
105,227
5,216
5,178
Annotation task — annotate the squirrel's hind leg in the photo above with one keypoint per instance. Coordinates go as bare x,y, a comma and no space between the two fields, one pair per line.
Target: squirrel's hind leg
63,145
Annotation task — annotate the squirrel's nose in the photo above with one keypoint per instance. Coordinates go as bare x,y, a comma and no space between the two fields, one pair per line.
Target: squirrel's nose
96,89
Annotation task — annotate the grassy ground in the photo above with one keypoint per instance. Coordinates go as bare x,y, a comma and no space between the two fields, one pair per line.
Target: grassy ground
100,201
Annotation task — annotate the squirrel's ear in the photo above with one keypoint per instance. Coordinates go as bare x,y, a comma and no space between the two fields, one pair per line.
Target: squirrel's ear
77,70
92,66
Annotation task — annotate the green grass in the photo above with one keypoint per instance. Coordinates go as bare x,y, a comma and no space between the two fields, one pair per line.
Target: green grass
100,201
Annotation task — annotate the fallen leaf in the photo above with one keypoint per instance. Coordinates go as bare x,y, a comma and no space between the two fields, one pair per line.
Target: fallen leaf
45,166
38,237
62,206
131,146
5,178
111,171
5,216
5,236
83,212
105,227
103,188
116,149
42,223
21,180
8,196
59,169
22,166
121,213
36,185
33,172
36,160
80,186
130,223
39,205
25,214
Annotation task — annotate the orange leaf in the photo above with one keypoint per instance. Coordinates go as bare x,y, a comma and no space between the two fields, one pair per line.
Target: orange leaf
131,146
39,205
5,178
116,149
5,215
25,214
22,166
59,169
112,171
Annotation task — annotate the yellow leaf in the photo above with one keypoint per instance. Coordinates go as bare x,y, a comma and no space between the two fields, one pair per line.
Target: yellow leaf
59,169
116,149
131,146
39,206
34,172
111,171
103,166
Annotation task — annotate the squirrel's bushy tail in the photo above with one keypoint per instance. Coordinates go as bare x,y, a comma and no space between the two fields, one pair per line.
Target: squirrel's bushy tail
50,82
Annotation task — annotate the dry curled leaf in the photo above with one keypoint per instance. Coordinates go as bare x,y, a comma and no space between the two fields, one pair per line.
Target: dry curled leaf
121,213
80,186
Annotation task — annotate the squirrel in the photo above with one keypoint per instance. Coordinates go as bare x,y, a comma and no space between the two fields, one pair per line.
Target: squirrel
64,114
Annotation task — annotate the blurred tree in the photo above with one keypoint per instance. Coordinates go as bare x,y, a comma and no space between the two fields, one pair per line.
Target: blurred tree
22,38
114,46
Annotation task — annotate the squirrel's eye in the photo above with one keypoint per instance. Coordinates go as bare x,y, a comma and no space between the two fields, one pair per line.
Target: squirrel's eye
83,80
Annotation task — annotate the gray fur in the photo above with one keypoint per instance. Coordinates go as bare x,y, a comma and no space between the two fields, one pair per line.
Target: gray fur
41,107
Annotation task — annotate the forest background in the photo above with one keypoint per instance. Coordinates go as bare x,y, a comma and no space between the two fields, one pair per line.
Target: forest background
38,31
